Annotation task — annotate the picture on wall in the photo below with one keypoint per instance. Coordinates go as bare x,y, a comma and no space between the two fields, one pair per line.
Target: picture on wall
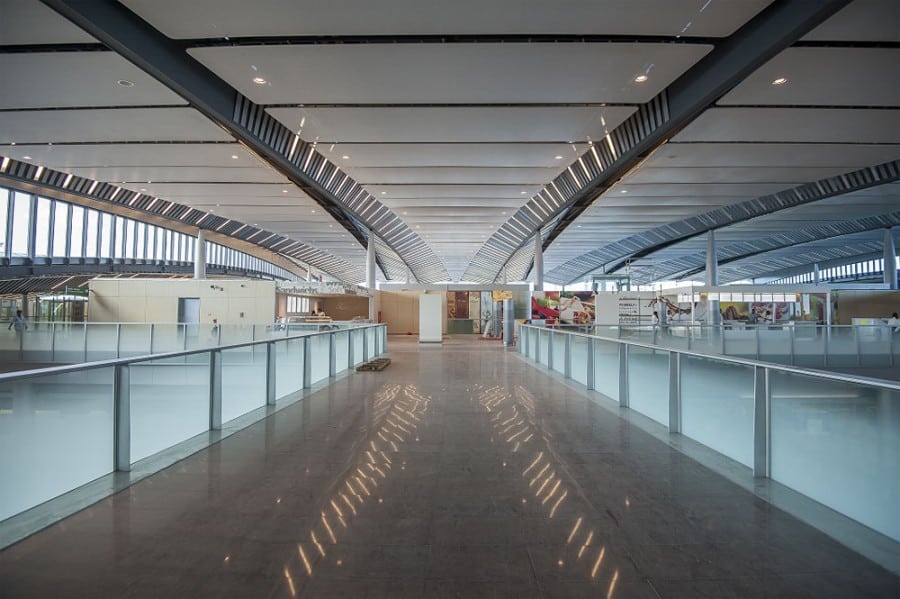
451,304
567,307
462,304
475,310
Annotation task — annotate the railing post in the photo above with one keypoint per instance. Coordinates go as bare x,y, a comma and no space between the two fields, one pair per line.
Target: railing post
674,392
590,364
85,342
793,331
271,358
183,336
826,333
215,390
856,344
332,354
307,364
537,345
122,408
567,365
151,337
53,342
350,356
623,375
118,340
757,340
365,345
762,423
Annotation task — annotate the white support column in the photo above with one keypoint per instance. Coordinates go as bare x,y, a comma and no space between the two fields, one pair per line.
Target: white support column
200,255
890,260
308,272
538,262
370,275
712,278
816,277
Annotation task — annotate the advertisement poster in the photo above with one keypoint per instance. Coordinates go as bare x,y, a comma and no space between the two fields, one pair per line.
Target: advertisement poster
769,312
451,304
630,310
487,313
475,310
567,307
462,304
735,311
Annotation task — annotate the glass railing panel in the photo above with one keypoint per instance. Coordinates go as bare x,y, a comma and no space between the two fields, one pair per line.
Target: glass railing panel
579,367
874,345
101,341
842,346
648,382
56,434
672,339
342,347
809,345
717,406
288,367
838,443
167,338
37,342
705,340
169,403
558,347
319,357
356,337
370,339
606,368
243,380
775,344
134,340
740,343
532,343
544,346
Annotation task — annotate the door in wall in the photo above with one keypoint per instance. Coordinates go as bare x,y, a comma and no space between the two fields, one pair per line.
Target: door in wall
189,315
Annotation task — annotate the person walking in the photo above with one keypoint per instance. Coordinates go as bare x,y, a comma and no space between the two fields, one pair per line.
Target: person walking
18,322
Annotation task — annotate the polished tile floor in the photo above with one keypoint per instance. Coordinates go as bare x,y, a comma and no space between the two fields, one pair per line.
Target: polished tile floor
459,471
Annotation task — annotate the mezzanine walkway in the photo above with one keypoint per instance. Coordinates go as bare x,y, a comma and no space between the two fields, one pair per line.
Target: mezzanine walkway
460,471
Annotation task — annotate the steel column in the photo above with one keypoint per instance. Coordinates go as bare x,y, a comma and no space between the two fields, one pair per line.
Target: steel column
215,390
674,392
122,408
271,372
762,423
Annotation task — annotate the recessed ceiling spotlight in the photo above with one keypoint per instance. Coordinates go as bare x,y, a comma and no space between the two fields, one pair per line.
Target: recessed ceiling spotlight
523,192
641,78
313,210
780,81
404,213
234,156
26,157
623,191
259,81
284,191
143,189
384,193
345,157
125,83
503,213
558,157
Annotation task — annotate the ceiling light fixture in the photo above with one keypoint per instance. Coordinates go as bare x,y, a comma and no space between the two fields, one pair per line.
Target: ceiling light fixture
345,157
558,157
641,78
125,83
780,81
623,191
259,81
284,191
384,193
234,156
26,157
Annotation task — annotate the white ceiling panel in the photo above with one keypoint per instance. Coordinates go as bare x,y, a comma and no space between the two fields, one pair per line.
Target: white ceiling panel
459,154
861,20
454,124
454,175
188,174
76,79
823,76
794,125
466,203
31,22
125,124
790,176
450,73
250,194
220,18
765,155
693,190
65,156
483,192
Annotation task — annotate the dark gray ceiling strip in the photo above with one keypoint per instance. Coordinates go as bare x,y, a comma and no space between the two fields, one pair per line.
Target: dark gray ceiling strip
614,256
167,61
730,62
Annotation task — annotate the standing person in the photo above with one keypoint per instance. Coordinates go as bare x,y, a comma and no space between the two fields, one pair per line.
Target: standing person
18,321
655,318
894,323
214,332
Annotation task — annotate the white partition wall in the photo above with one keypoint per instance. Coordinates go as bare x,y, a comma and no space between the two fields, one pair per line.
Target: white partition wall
430,318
